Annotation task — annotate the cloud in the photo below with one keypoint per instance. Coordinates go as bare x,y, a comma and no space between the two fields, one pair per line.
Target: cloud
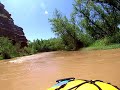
46,12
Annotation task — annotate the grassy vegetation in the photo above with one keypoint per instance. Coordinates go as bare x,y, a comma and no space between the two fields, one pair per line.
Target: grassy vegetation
102,44
112,46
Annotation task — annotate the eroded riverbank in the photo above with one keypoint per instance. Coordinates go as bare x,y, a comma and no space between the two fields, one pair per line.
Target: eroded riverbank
40,71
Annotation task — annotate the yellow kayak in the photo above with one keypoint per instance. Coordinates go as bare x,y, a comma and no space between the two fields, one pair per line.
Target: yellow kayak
79,84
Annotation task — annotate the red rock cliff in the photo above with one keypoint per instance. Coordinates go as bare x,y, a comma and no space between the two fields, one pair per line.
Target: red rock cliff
9,29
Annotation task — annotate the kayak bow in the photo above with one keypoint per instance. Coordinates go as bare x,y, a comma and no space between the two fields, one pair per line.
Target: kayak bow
79,84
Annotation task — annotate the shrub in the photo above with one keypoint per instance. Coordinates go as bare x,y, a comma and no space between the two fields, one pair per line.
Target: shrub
7,49
115,38
52,44
86,39
101,42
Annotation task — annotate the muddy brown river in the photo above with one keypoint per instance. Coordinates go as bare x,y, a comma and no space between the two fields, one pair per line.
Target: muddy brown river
40,71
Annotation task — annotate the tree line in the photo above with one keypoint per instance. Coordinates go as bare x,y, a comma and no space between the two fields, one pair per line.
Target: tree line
91,23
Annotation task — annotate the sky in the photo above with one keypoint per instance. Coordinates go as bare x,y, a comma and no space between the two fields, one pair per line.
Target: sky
32,15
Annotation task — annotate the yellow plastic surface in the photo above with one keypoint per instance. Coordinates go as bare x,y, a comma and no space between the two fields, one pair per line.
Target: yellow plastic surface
86,86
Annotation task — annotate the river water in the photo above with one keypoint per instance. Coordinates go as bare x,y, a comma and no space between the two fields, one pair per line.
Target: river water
40,71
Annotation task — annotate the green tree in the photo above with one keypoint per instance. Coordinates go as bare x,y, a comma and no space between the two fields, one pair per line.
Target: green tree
97,19
67,30
113,3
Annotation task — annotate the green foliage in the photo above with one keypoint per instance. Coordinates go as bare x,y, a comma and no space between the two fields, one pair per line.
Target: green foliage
105,43
67,30
115,38
90,21
113,3
86,39
7,50
102,47
52,44
99,20
101,42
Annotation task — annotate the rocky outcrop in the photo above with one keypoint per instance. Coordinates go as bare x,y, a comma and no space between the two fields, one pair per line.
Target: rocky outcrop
9,29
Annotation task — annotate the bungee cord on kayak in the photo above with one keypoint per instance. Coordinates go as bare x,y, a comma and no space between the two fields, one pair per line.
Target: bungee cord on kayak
80,84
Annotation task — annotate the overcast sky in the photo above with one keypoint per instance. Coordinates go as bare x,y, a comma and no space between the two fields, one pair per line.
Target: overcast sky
32,15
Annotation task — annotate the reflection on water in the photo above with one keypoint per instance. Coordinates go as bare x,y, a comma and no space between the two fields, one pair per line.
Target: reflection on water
39,72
